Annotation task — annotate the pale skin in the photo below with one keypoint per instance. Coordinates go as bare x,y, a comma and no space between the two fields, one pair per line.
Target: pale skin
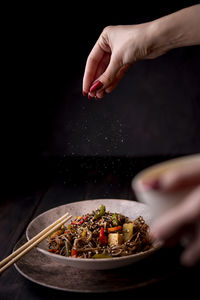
116,50
118,47
175,224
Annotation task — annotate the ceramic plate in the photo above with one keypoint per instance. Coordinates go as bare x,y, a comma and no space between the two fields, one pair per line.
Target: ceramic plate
41,269
131,209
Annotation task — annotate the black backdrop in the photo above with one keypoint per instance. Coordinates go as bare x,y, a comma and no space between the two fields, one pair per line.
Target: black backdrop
154,111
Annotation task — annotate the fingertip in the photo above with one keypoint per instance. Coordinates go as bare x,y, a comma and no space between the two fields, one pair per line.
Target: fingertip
155,234
152,237
90,96
187,260
100,94
160,229
95,86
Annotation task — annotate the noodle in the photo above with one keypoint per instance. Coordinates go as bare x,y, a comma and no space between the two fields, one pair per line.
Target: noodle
101,234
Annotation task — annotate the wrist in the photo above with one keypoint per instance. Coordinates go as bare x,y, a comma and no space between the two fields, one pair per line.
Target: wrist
164,37
175,30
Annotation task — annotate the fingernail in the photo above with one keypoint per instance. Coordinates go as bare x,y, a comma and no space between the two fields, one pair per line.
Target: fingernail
84,93
154,184
89,96
96,85
97,98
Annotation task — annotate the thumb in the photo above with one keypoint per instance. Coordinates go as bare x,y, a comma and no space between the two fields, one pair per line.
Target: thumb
108,77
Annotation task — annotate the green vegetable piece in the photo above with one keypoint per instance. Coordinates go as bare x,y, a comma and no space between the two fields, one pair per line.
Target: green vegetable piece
84,232
101,212
114,219
67,248
101,256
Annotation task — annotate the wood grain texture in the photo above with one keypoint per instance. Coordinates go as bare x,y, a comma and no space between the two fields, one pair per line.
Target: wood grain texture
75,185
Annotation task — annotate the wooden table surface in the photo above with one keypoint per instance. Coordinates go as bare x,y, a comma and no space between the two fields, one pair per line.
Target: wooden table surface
86,181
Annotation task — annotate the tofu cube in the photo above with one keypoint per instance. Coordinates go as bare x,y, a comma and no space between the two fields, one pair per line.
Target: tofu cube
115,239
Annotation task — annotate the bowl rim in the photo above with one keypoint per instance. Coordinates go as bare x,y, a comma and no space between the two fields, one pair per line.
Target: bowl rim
170,162
155,247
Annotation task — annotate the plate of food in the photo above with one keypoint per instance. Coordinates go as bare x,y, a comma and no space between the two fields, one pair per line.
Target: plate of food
102,234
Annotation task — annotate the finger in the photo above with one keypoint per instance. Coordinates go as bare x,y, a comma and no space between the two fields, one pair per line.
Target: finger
103,64
92,63
173,221
99,95
109,76
183,176
100,69
180,178
191,254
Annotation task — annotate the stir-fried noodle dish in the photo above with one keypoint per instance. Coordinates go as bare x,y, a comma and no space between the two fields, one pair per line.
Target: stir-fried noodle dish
101,234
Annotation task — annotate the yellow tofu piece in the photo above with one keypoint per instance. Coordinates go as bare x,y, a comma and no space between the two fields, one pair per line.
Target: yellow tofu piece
127,231
115,239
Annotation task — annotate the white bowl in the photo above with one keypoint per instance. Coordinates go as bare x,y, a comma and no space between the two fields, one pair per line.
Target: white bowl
159,201
131,209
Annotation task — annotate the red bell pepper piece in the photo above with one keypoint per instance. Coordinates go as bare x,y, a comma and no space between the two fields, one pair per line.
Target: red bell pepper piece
83,219
113,229
74,253
102,237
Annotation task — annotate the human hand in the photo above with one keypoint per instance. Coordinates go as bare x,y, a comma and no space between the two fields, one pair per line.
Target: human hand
118,47
184,218
112,55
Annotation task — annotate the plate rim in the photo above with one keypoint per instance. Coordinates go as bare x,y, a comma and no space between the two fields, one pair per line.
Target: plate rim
85,291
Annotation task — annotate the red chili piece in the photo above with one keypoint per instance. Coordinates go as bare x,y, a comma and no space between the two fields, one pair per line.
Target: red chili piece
74,253
81,222
102,237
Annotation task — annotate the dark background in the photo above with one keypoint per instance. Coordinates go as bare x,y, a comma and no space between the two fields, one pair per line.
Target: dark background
155,110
